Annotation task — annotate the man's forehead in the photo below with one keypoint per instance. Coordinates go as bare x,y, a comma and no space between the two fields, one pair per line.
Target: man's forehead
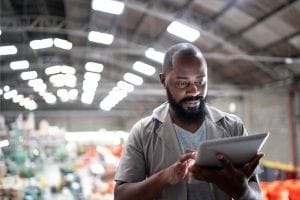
179,57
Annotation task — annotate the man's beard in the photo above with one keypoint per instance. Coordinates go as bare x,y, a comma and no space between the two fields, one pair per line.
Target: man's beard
191,115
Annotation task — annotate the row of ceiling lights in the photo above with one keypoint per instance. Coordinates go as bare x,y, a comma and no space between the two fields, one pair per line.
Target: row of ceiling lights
120,91
65,75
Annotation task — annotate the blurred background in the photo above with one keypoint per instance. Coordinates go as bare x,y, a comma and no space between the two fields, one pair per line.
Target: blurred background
75,75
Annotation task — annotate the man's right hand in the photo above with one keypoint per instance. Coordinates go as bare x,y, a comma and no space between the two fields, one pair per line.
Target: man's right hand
151,187
179,170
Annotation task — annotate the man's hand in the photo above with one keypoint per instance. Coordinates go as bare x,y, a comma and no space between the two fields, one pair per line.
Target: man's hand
232,180
179,170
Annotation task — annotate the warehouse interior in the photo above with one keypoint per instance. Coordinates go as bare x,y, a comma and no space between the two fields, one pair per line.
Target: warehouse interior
76,75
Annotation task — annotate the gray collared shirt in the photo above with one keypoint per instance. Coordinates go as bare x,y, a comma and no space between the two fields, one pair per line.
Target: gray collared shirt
152,146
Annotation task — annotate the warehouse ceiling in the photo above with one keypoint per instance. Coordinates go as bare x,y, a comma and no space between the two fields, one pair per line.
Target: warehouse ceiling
247,43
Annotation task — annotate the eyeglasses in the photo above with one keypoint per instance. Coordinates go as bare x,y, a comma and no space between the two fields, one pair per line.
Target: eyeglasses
181,84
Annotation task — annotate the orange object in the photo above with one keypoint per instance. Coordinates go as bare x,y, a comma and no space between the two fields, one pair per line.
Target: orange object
278,194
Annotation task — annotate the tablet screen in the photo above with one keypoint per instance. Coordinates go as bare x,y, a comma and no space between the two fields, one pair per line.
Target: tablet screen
239,149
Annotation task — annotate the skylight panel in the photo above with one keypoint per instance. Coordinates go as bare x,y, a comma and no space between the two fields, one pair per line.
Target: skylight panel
183,31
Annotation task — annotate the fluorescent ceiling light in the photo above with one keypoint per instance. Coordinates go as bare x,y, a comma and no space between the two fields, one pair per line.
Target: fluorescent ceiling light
30,105
155,55
92,76
24,101
104,105
125,86
8,50
113,98
60,68
10,94
18,65
98,37
18,98
63,44
89,84
288,60
29,75
35,82
60,80
73,93
143,68
41,44
94,67
52,70
67,69
62,93
6,88
50,98
183,31
134,79
70,80
57,80
108,6
0,32
86,98
40,88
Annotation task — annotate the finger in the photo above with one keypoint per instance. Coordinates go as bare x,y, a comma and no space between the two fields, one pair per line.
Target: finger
186,156
226,163
249,168
189,151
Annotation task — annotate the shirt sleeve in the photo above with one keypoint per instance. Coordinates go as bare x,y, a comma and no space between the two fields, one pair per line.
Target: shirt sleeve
131,167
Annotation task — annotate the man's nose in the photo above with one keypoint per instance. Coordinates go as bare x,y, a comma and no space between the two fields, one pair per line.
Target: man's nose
192,88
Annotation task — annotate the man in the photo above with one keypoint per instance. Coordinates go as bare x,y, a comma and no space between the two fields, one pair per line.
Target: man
160,151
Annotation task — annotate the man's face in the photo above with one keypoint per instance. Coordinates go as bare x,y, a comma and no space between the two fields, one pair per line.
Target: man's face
186,86
192,114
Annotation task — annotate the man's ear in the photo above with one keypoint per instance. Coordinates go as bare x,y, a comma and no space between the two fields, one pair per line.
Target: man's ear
162,79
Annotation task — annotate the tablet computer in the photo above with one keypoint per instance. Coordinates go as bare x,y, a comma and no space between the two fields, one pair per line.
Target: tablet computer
239,149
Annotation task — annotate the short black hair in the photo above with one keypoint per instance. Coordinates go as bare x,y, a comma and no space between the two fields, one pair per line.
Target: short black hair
183,48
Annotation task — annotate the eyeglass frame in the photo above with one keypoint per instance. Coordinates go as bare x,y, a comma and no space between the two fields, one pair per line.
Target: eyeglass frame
198,83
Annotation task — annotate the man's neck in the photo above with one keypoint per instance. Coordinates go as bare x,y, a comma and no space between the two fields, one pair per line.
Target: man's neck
189,126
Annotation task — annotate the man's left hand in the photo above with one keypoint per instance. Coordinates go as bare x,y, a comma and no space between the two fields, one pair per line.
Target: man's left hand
232,180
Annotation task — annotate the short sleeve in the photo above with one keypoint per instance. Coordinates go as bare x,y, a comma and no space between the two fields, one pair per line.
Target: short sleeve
131,167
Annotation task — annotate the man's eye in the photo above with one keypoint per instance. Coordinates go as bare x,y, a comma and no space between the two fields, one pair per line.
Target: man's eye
182,84
199,82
